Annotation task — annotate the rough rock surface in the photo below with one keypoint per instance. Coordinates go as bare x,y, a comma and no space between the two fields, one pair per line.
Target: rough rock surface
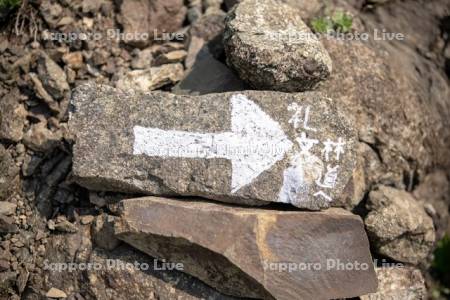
250,147
12,117
247,258
399,283
117,277
398,225
8,171
140,17
270,47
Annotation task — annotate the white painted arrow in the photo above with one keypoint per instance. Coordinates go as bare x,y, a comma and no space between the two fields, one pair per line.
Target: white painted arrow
256,142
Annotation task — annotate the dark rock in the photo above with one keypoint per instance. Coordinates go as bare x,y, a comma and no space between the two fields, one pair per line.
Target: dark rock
103,232
270,47
247,257
208,75
268,157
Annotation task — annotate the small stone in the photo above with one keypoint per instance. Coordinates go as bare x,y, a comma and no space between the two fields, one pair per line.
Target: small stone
399,283
4,265
95,199
142,16
51,224
85,220
42,93
63,225
40,138
7,208
247,257
51,12
398,225
8,172
142,60
103,232
66,20
247,147
74,60
56,293
270,47
7,225
52,77
12,117
170,57
152,78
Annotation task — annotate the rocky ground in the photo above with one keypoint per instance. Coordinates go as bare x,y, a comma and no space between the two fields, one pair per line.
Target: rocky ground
394,94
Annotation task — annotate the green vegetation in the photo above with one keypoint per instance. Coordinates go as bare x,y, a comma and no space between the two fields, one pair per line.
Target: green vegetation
338,22
441,261
9,4
441,265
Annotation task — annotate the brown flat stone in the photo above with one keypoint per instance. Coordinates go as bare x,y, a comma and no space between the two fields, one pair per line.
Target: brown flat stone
257,253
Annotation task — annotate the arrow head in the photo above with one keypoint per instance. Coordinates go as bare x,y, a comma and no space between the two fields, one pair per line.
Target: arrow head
263,141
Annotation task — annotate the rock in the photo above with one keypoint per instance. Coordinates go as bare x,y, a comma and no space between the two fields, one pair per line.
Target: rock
63,225
140,17
195,46
30,164
40,138
95,199
51,12
7,208
91,6
208,75
56,293
209,28
42,93
7,225
306,8
52,77
434,191
103,232
247,258
12,117
249,147
270,47
152,78
398,225
8,172
382,86
87,219
74,60
143,59
171,57
402,283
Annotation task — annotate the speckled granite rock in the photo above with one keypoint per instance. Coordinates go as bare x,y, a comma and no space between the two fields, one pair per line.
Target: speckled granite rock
249,147
399,283
398,225
256,253
270,47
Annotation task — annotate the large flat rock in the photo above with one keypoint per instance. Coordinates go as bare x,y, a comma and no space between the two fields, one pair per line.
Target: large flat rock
249,147
257,253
